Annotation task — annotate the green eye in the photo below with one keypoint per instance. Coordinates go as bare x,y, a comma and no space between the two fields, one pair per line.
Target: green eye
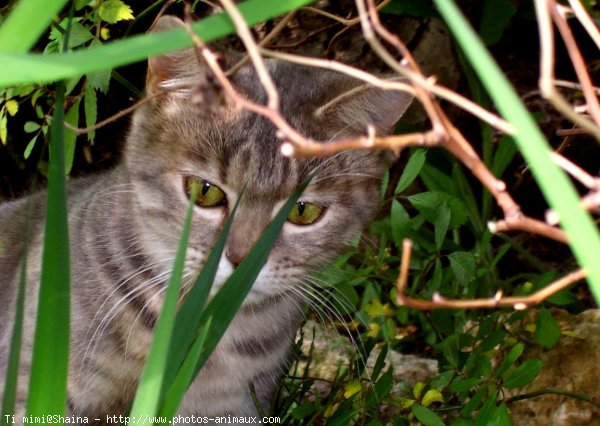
304,213
208,195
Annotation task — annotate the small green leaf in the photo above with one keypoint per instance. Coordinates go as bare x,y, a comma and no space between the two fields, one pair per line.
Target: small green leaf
547,331
428,203
3,128
352,388
79,35
113,11
463,266
90,108
426,416
384,184
100,80
12,107
400,222
441,223
431,396
513,355
464,384
31,126
30,147
524,374
411,171
71,117
495,16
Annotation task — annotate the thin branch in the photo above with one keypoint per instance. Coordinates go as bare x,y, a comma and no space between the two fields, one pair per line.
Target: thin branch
82,131
590,26
547,71
259,65
428,84
498,301
577,60
528,224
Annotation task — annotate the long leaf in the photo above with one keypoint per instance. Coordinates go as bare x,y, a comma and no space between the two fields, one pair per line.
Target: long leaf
12,372
33,15
48,377
189,316
149,389
221,310
18,68
583,235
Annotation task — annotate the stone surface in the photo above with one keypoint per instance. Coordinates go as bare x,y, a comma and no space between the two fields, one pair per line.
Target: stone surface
573,364
332,351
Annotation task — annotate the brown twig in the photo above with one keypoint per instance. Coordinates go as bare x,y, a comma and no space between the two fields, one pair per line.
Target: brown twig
546,80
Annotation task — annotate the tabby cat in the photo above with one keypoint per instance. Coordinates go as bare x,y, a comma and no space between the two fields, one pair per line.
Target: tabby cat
125,225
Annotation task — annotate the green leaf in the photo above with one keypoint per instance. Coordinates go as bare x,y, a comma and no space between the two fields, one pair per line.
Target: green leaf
431,396
514,354
428,203
417,8
30,147
19,68
400,222
503,156
79,35
31,126
50,359
463,266
495,16
426,416
524,374
12,107
72,117
90,108
3,128
113,11
411,171
32,15
223,305
441,223
547,331
461,384
99,80
148,393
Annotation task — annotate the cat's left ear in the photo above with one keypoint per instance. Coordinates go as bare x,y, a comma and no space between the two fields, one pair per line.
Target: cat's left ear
356,109
174,69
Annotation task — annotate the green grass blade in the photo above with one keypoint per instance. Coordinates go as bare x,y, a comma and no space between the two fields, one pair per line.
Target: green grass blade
48,377
189,316
225,304
222,308
185,375
149,389
35,15
582,233
19,68
12,372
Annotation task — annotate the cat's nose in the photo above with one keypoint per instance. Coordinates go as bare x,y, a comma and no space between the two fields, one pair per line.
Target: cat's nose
234,257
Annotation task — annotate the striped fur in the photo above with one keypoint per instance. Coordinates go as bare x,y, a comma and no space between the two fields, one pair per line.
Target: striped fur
125,225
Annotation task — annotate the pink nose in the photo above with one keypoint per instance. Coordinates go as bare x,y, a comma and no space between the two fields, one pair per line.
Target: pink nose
234,258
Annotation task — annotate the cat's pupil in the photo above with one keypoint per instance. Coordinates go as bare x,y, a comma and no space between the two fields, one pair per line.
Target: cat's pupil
301,208
205,188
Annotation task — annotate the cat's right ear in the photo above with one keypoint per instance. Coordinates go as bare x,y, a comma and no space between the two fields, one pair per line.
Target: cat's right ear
175,70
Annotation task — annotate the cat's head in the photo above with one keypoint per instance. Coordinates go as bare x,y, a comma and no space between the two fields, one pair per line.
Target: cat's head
175,144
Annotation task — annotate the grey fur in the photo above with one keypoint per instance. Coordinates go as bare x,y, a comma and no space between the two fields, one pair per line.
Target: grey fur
125,225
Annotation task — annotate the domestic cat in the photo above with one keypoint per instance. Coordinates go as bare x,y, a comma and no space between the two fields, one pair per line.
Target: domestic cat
125,226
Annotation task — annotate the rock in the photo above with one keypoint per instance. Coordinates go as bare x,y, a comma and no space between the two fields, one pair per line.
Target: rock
573,365
332,352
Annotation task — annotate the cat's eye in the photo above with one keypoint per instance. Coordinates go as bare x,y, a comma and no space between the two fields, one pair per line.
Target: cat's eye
304,213
208,194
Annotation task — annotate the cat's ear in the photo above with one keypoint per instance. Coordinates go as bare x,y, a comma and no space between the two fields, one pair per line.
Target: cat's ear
360,107
174,69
